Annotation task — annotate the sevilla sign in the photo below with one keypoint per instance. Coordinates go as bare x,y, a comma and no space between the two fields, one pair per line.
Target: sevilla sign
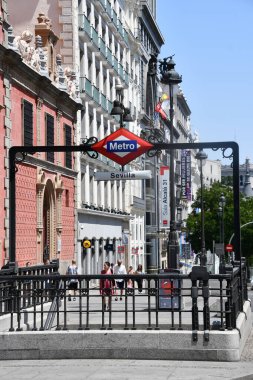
122,146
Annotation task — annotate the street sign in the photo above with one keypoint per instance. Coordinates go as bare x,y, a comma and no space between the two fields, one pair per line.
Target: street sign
229,248
121,249
86,244
115,176
108,247
122,146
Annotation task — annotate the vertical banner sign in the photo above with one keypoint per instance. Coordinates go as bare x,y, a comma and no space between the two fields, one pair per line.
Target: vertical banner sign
164,187
186,174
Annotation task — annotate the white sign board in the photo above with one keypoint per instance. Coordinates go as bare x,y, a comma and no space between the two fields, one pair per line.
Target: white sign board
164,188
116,176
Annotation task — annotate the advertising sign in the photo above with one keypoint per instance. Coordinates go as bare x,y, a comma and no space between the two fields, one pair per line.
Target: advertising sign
164,186
169,294
186,174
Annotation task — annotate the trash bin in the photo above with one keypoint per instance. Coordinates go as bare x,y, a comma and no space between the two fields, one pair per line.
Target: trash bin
169,291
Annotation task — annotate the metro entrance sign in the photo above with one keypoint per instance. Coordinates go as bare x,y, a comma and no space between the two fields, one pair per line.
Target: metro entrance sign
122,146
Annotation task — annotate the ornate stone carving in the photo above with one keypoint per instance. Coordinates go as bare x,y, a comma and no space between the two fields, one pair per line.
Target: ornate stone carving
71,81
23,45
59,74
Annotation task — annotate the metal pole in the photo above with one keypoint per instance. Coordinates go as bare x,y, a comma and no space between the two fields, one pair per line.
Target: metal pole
203,243
173,247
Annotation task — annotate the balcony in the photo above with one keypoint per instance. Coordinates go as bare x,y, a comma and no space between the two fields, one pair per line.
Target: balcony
101,5
109,56
114,20
126,77
126,37
86,88
102,47
108,11
96,94
120,28
84,28
104,102
121,71
94,36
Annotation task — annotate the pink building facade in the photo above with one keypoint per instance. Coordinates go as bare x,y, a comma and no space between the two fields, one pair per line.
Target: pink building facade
38,106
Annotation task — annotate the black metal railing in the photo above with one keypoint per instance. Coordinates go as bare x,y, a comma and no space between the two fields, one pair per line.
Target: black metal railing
25,285
199,301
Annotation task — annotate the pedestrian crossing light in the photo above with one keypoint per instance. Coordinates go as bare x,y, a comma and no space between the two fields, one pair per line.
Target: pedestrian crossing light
86,243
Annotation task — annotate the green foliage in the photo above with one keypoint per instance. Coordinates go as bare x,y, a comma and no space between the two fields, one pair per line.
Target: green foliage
211,198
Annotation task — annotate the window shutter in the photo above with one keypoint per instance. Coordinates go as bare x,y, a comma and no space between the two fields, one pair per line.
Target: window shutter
28,123
50,136
68,141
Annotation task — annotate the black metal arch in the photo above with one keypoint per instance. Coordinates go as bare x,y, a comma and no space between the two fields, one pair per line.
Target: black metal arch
18,154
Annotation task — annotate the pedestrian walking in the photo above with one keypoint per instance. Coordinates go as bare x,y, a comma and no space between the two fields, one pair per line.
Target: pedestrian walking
73,282
119,268
139,280
130,282
106,286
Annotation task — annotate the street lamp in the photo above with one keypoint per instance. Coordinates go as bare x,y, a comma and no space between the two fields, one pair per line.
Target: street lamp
118,108
201,156
222,203
170,77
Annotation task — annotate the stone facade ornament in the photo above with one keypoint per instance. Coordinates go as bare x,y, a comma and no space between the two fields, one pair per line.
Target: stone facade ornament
71,81
40,59
23,45
59,74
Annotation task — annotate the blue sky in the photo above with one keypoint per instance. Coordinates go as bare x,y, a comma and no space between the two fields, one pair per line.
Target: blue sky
213,45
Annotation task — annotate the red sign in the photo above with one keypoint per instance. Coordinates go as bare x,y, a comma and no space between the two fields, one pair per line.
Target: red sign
135,251
121,249
229,248
122,146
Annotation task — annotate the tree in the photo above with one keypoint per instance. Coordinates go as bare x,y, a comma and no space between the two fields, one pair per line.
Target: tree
211,197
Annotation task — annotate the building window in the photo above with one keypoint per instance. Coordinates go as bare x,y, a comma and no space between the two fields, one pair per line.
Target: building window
68,142
27,123
66,198
49,136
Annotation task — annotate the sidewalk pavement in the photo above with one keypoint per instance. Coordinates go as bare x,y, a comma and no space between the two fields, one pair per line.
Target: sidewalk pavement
130,369
124,370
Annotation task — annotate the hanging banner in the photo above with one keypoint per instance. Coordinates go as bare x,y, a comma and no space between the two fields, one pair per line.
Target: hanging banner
186,175
164,188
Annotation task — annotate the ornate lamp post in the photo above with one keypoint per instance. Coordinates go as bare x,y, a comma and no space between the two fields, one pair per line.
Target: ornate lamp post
222,203
170,77
118,108
201,156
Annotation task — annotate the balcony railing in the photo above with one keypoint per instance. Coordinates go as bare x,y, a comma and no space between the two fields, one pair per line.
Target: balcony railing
84,24
85,86
102,47
120,28
104,102
109,56
114,18
96,94
94,36
126,77
121,71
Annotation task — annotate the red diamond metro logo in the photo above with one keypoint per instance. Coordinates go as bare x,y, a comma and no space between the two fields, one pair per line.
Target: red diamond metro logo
122,146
